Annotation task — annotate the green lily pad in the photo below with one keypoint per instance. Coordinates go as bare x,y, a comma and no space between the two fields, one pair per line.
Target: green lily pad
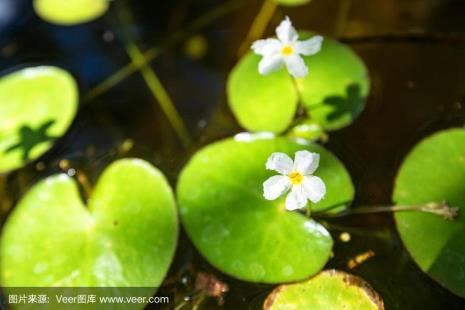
37,106
125,237
335,91
236,229
434,171
330,289
70,12
261,103
291,2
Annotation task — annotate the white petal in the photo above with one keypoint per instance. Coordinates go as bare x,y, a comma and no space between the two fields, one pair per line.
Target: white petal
270,63
279,162
314,188
285,32
310,46
296,66
266,47
296,199
275,186
306,162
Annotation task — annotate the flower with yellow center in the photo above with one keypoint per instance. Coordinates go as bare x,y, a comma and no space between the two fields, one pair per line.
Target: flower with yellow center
295,176
286,50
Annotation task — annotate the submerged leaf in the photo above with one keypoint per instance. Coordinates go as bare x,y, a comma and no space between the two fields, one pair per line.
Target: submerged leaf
330,289
70,12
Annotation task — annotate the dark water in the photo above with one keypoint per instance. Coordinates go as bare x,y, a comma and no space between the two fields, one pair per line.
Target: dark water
415,52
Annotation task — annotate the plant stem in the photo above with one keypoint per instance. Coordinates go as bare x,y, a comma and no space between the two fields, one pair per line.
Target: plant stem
259,24
342,16
153,82
153,53
159,93
438,208
85,184
120,75
308,210
180,305
81,177
5,202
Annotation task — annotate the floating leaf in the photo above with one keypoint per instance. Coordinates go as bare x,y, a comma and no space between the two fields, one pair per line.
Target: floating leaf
37,107
261,103
335,90
241,233
333,93
291,2
70,12
434,171
125,237
306,129
330,289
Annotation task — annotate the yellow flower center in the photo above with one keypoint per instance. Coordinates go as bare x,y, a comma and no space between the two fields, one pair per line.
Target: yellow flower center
295,177
287,50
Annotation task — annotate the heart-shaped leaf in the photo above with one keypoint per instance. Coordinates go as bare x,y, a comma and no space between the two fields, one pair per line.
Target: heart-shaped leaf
330,289
125,237
333,93
70,12
335,90
261,103
37,107
434,171
222,207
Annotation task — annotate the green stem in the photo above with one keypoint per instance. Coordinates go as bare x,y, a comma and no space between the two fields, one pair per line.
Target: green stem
120,75
153,53
259,24
153,82
5,203
308,210
302,113
159,93
180,305
342,17
198,302
439,208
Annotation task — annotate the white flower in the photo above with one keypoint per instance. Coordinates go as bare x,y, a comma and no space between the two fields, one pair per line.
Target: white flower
296,176
286,50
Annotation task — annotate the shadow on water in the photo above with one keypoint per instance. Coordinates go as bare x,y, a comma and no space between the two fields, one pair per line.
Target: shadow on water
351,104
31,137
